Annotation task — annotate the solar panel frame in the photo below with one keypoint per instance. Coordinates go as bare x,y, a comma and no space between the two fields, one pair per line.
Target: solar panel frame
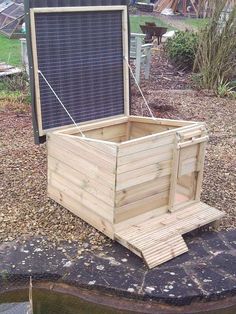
33,13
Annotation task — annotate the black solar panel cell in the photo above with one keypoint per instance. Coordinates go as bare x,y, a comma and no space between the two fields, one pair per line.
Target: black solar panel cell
81,55
10,9
9,27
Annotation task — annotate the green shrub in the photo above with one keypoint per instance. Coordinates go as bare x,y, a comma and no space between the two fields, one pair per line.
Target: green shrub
181,49
216,55
225,89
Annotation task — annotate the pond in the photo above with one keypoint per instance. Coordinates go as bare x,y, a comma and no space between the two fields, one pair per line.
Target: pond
50,302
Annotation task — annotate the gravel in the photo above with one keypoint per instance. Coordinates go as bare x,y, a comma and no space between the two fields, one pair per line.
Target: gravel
25,209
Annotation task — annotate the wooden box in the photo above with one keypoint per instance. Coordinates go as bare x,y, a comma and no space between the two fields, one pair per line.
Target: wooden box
136,179
132,177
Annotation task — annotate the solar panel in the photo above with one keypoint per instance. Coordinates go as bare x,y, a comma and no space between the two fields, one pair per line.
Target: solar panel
9,9
5,4
10,18
14,11
80,53
9,28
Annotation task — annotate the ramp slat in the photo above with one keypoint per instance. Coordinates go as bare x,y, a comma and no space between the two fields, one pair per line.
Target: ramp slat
159,239
170,248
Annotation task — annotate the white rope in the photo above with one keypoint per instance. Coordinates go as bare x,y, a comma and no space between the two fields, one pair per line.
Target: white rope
145,101
61,103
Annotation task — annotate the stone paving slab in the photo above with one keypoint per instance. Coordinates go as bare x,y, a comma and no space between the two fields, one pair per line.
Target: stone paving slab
206,272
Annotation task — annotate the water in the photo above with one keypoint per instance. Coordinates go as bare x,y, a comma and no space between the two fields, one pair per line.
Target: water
50,302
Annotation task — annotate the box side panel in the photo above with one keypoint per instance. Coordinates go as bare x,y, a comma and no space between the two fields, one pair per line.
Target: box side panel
82,178
139,129
143,176
112,133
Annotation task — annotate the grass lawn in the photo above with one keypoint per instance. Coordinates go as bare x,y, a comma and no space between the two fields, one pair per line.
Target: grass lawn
197,23
10,51
135,21
10,48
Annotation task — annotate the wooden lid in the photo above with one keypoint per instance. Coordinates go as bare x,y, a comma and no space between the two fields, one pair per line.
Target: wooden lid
80,64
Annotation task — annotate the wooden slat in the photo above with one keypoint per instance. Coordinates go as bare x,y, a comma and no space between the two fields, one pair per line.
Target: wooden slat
179,222
154,169
81,211
66,186
92,125
174,175
92,186
201,159
143,190
141,206
75,161
177,123
193,141
150,128
152,174
159,238
156,212
79,148
108,132
164,251
145,143
144,158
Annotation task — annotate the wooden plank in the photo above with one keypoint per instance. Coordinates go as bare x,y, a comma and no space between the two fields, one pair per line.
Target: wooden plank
126,244
99,151
106,147
143,190
125,60
80,9
92,186
151,127
81,211
144,158
191,134
81,196
170,122
76,162
174,174
155,169
193,141
94,124
169,224
142,218
118,139
201,159
147,142
160,223
85,152
128,129
124,184
36,75
141,206
159,239
106,133
164,251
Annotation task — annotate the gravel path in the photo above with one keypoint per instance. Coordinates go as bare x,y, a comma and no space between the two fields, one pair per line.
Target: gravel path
24,206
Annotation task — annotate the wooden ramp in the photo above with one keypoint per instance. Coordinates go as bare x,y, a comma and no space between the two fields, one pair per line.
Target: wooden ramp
159,238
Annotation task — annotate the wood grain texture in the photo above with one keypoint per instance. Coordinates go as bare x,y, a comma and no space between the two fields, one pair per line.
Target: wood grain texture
159,238
81,211
124,189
